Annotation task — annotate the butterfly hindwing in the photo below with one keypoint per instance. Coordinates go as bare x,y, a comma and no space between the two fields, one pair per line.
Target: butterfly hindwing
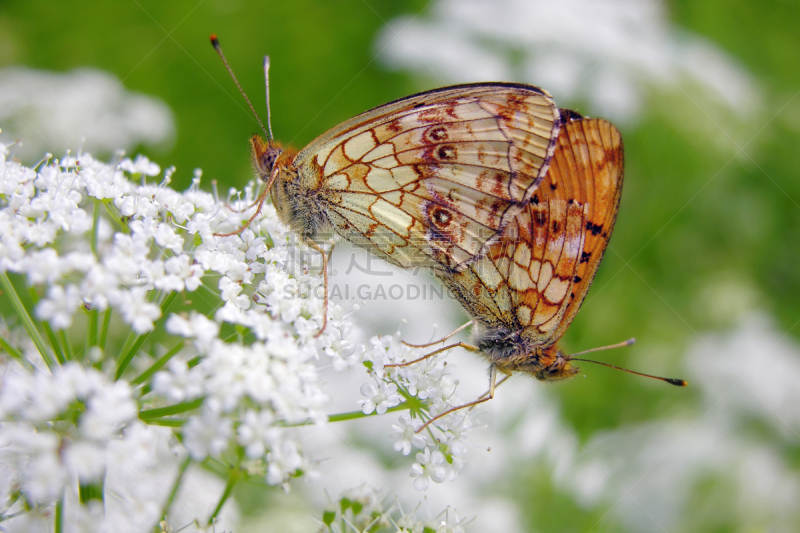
534,279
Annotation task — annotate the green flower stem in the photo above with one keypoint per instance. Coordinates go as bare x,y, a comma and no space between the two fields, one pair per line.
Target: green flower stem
104,332
174,491
167,422
59,515
233,477
95,225
357,414
69,354
16,354
128,357
92,491
51,336
155,367
114,214
27,321
92,335
149,414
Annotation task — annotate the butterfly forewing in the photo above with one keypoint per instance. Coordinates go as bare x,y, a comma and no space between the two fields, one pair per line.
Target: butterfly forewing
437,175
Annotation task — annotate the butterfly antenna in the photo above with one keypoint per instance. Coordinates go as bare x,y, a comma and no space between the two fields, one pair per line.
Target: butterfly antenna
266,82
218,48
609,347
671,381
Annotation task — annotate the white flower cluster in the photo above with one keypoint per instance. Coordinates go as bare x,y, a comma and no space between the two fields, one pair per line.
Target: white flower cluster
430,390
57,427
363,509
144,261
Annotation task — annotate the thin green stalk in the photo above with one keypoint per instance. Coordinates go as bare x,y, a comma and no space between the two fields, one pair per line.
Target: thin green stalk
92,491
68,353
59,515
357,414
51,336
148,414
16,354
173,491
233,477
116,218
104,332
155,367
91,338
167,422
92,334
128,356
95,225
27,321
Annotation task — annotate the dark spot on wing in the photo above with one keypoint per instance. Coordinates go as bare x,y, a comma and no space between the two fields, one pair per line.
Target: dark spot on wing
436,134
594,228
446,152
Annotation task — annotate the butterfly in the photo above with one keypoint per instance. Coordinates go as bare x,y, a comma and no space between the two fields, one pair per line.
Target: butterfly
525,291
428,180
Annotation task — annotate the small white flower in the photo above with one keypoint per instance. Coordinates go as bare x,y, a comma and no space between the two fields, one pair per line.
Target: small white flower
59,306
141,165
429,466
379,398
283,462
196,326
188,275
136,311
86,460
207,434
405,434
44,478
258,434
165,236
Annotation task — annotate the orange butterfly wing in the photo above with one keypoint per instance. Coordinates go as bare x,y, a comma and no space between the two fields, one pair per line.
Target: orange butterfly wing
535,278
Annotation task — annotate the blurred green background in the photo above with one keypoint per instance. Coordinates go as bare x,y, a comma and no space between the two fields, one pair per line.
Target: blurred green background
708,230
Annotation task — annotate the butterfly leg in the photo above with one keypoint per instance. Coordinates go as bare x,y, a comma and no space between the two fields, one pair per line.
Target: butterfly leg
468,324
485,398
490,391
261,198
464,345
255,202
325,257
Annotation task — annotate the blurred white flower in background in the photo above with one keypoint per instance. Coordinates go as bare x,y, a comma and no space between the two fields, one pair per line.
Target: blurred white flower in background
53,111
611,55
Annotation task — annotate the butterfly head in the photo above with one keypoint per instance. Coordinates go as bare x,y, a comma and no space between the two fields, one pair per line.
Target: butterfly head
265,155
556,366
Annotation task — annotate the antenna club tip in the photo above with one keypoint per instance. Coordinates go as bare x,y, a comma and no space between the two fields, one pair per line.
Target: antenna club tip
214,40
677,382
266,61
630,341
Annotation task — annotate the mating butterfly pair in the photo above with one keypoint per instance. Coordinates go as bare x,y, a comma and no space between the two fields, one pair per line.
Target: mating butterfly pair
509,200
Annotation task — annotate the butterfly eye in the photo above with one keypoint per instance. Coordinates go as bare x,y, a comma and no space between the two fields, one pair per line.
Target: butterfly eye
268,159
